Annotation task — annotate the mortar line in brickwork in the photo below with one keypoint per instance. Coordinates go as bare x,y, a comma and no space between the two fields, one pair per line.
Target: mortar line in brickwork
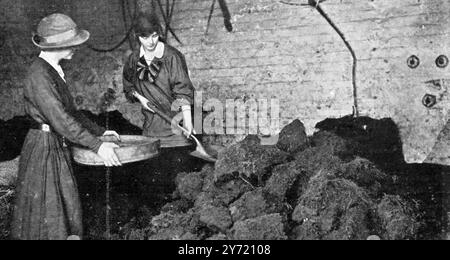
337,60
251,20
408,36
181,18
290,83
288,34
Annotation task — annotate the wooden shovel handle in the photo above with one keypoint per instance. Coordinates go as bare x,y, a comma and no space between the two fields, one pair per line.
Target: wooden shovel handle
160,113
169,120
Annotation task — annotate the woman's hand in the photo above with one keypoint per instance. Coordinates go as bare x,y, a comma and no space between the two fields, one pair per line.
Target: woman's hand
187,121
107,153
112,133
143,101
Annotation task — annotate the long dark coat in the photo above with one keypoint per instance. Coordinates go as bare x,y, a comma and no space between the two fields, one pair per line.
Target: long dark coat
47,205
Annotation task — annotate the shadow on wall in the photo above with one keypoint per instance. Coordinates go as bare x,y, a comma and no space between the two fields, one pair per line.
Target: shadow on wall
380,142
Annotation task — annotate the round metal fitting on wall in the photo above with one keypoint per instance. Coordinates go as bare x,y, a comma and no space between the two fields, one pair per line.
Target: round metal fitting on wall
429,101
413,62
442,61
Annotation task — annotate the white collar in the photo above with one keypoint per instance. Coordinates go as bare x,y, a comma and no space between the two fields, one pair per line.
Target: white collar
45,56
158,53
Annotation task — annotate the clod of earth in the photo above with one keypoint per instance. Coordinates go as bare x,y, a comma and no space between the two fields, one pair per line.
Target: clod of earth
174,226
223,193
226,193
250,159
366,175
189,185
313,161
255,204
216,218
332,143
398,218
284,178
293,138
335,207
268,227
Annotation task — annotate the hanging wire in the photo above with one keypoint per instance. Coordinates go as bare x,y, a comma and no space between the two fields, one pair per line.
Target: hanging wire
316,4
167,17
211,11
226,15
126,12
124,4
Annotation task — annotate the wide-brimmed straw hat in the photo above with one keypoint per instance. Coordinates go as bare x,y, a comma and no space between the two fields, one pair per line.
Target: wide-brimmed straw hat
58,31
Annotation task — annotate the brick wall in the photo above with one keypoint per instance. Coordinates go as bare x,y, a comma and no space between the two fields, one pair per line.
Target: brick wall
275,51
291,53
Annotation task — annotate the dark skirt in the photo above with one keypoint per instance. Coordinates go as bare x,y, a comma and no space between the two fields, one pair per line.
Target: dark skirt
47,204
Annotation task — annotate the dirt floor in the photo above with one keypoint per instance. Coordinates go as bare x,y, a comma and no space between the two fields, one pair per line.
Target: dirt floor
347,181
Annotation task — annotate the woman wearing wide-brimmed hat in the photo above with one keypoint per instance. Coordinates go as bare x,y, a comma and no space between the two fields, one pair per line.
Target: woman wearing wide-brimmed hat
47,204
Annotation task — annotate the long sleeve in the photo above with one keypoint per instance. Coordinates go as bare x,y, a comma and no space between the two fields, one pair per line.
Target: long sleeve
182,87
128,85
89,124
41,91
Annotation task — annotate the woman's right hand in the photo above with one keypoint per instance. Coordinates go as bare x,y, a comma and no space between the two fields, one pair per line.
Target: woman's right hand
107,153
143,101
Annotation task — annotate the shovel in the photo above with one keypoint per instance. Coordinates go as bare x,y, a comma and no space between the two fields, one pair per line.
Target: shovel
200,151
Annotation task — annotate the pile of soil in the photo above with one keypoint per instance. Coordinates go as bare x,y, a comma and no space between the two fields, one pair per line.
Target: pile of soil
322,187
347,181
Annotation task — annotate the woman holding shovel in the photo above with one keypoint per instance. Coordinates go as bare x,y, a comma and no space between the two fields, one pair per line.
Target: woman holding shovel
47,204
156,75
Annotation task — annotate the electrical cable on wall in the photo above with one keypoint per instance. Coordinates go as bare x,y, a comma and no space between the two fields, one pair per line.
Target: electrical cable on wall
124,4
167,17
127,12
316,5
225,13
211,11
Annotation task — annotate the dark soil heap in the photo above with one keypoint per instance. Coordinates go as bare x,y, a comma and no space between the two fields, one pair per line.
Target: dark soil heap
347,181
321,187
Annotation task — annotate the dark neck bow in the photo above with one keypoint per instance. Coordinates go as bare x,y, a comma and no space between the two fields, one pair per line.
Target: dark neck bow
148,72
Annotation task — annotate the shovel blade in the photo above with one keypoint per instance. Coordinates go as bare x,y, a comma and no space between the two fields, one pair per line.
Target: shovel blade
203,156
208,153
